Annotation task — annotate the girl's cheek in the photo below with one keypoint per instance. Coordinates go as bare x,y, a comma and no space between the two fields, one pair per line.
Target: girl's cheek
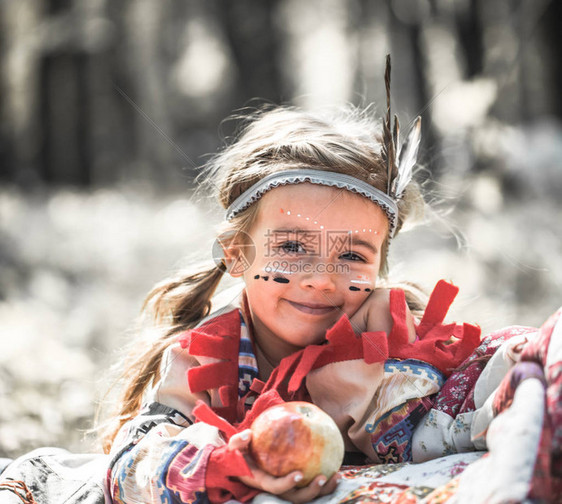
358,281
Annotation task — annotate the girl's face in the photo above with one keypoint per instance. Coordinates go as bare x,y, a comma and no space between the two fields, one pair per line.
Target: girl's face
318,254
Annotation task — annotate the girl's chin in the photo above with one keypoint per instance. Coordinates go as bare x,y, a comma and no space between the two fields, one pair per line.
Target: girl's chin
303,339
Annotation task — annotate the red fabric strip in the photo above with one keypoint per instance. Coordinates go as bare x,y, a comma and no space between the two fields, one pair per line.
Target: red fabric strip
398,336
307,360
438,305
202,344
210,376
375,347
263,402
204,413
223,465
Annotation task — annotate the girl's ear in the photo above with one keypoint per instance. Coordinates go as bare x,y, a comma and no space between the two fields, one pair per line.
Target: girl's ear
233,260
236,250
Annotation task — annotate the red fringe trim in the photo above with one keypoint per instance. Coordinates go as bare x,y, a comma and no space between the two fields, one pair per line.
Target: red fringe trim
218,338
434,344
223,465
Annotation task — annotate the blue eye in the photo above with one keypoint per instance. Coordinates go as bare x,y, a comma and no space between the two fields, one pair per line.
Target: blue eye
292,247
351,256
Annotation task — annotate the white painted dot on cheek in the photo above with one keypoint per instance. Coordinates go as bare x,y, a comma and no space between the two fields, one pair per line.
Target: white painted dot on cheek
288,212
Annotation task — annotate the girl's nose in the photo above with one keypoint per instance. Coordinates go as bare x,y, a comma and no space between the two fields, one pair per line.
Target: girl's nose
319,281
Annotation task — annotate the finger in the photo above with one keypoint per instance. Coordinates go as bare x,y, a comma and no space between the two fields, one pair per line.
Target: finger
271,484
282,484
318,486
330,485
240,441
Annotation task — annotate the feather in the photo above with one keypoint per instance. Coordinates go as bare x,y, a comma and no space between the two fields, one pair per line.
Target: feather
396,136
407,159
388,147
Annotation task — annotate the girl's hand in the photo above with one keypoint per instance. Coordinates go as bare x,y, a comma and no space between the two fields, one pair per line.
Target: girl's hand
284,486
374,315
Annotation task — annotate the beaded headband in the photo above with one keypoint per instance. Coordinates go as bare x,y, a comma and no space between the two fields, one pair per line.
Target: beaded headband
320,177
399,159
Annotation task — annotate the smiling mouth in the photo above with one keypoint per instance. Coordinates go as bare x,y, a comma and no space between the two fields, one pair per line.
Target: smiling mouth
312,308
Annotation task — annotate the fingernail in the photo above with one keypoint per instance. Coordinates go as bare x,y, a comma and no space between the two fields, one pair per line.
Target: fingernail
321,482
298,478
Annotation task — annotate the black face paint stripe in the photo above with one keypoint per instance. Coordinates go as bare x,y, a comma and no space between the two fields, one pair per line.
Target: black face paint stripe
257,277
281,280
367,289
353,288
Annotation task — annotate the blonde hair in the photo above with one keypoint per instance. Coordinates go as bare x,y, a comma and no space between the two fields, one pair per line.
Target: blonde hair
283,138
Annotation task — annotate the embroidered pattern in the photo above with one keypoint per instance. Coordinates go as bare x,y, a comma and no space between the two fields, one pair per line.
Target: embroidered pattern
392,438
185,475
247,362
415,368
404,395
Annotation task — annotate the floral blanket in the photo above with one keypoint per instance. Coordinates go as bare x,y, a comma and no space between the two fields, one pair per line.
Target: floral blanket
522,459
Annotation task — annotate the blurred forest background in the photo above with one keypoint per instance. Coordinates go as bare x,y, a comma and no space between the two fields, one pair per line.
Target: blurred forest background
108,107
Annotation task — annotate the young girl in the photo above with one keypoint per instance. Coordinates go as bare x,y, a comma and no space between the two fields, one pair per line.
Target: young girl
312,205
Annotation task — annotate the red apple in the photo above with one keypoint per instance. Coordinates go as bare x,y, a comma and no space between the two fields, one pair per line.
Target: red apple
297,436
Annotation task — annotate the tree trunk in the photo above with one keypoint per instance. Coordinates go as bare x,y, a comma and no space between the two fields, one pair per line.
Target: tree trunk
254,41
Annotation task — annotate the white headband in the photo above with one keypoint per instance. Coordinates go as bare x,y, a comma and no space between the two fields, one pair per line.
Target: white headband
325,178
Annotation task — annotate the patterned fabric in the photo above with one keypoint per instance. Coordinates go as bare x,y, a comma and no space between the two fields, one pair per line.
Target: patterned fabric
391,432
392,439
247,362
546,350
403,483
457,396
156,451
461,414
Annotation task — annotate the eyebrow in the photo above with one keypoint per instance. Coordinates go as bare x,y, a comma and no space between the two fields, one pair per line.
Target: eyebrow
295,230
365,243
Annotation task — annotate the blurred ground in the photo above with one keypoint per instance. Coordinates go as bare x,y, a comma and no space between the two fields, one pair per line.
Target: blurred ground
76,265
74,269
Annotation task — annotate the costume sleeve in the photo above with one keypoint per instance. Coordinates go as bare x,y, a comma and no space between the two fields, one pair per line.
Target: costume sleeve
164,455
